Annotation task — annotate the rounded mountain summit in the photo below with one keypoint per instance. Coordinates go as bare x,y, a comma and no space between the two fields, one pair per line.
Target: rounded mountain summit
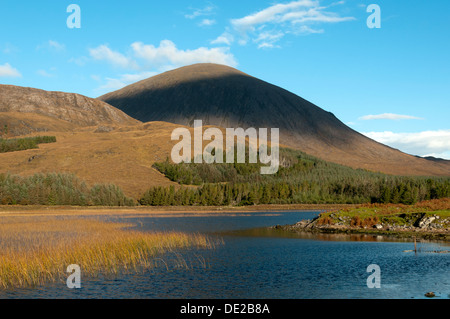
225,97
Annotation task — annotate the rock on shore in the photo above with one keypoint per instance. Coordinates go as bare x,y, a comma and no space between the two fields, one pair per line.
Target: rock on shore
417,225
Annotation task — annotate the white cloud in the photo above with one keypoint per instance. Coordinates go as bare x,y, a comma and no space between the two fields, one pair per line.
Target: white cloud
104,53
167,54
56,45
314,15
113,84
148,60
6,70
45,74
110,85
295,17
389,116
304,29
267,45
208,10
81,61
163,57
9,48
427,143
225,38
271,14
96,77
207,22
51,45
267,39
131,78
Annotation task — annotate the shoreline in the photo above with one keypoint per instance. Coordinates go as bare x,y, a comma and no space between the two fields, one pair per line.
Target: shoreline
416,224
165,210
408,234
410,230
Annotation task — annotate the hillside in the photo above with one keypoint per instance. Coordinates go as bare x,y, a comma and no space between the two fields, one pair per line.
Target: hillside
28,110
123,156
101,144
301,179
134,158
225,97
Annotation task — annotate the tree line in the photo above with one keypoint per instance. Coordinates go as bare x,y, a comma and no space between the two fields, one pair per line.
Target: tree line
58,189
300,179
404,191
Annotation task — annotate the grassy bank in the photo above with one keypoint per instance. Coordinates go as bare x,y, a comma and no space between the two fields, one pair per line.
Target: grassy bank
427,219
37,249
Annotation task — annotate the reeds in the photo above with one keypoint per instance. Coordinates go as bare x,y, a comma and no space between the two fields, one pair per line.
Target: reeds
36,250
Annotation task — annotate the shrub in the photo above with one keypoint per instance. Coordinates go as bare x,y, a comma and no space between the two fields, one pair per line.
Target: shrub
21,144
355,221
325,221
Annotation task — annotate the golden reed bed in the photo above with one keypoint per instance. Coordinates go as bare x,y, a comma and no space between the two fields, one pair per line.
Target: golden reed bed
37,249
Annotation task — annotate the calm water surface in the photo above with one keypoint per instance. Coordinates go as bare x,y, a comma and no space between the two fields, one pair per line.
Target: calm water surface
255,262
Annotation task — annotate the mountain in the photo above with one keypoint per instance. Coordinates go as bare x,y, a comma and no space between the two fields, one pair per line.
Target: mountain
225,97
27,110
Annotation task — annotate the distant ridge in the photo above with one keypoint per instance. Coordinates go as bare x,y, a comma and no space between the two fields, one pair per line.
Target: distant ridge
26,110
434,159
223,96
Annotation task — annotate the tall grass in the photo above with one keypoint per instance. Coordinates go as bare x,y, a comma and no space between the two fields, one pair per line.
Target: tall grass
35,250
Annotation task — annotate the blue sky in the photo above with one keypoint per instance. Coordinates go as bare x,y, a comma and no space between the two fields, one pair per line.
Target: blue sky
391,83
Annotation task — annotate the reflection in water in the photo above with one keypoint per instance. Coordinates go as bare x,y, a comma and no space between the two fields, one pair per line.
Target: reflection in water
422,246
272,232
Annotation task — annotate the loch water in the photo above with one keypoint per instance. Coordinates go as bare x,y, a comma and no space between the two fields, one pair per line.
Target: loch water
255,262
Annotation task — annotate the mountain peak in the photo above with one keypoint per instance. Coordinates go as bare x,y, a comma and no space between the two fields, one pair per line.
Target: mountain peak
226,97
186,74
